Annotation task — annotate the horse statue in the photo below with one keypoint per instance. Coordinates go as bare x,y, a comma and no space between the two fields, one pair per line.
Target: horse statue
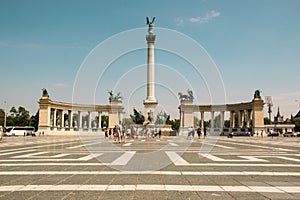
115,98
186,97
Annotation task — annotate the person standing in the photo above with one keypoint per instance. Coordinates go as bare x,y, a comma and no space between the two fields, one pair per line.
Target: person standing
106,133
199,132
1,133
159,133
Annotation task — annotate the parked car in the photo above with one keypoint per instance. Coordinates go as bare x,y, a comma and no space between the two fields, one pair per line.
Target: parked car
289,134
271,134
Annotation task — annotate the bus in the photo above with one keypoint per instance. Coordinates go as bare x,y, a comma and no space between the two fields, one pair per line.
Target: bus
20,130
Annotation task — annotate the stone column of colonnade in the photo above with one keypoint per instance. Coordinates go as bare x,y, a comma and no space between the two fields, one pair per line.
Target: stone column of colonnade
99,119
212,121
244,118
58,120
70,117
202,121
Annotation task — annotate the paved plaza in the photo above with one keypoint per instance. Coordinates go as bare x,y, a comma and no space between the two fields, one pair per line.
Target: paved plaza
52,167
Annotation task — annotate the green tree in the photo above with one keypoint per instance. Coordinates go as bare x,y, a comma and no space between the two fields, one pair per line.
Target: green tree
20,117
2,117
34,120
13,111
23,117
267,120
297,126
175,123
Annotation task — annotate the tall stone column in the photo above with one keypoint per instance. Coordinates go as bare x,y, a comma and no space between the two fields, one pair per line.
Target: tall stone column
99,120
90,121
222,120
79,119
202,122
233,119
70,117
249,117
239,119
212,120
150,103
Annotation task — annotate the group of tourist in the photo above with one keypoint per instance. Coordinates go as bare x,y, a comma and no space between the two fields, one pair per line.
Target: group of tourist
119,133
191,133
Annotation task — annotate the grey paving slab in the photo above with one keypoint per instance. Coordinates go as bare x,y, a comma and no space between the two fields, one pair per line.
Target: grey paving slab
215,196
19,195
75,195
247,196
51,195
237,146
119,195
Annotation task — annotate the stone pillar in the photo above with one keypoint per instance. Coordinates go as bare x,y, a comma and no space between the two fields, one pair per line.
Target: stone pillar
187,119
79,119
54,117
231,119
181,118
115,109
44,115
150,68
150,103
239,118
70,117
99,120
202,121
62,117
242,118
258,115
90,120
249,117
222,120
212,120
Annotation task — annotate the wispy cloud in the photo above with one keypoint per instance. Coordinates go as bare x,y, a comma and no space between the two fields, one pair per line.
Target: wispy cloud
199,19
179,21
60,85
209,16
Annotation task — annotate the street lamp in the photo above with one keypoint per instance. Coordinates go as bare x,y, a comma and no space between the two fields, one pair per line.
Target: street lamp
4,114
269,104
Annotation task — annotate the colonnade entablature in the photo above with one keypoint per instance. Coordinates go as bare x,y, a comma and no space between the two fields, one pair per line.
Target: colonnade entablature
57,117
249,115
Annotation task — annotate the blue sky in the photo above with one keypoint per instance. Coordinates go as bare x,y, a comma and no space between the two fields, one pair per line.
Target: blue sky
255,45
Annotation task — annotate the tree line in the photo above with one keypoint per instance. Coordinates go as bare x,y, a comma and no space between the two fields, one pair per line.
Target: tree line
19,117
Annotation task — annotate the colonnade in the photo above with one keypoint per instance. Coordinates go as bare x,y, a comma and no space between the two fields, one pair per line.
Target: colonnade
58,120
249,115
58,117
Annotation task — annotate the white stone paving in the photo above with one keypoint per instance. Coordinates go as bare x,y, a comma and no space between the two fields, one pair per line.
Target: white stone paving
260,155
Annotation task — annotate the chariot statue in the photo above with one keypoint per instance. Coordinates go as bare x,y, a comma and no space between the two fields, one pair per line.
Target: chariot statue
115,98
186,97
